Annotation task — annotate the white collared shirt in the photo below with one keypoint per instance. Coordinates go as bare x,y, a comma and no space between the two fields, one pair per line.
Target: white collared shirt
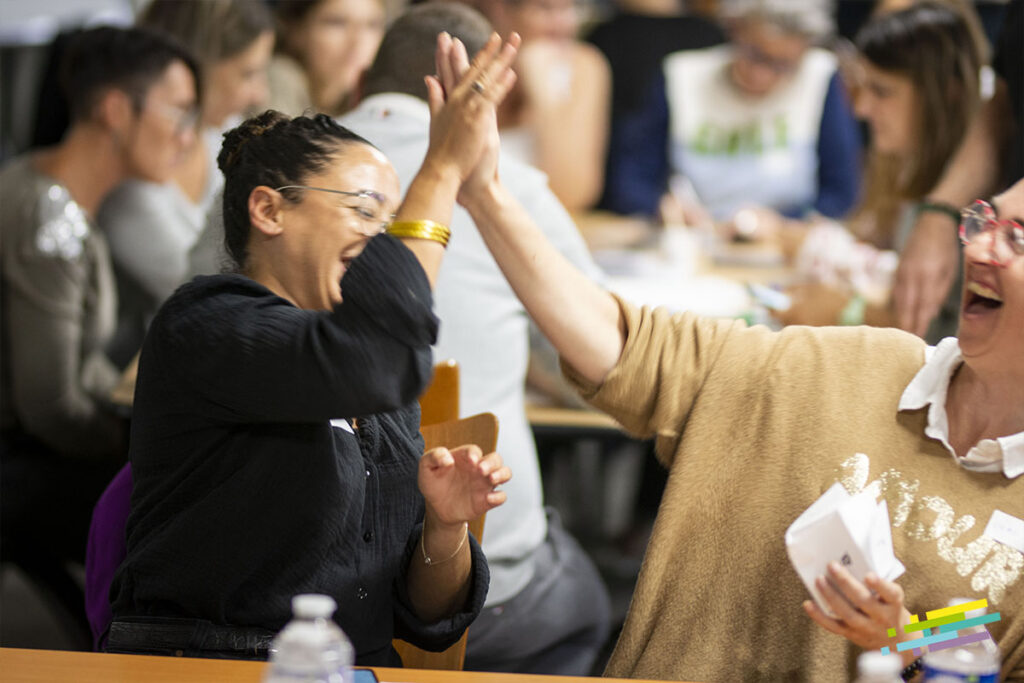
929,387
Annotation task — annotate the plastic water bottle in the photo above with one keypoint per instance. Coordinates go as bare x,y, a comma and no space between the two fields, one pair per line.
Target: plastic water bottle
311,648
874,667
975,662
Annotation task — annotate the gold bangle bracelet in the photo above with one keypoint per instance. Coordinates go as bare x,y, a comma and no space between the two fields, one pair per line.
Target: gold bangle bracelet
424,230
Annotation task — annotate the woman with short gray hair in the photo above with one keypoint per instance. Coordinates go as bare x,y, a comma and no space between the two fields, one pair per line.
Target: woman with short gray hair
762,121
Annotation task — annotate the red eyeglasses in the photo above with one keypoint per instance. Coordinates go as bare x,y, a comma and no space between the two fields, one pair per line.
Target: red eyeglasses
979,219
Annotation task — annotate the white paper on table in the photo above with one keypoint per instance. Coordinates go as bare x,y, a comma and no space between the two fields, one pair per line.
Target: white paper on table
851,530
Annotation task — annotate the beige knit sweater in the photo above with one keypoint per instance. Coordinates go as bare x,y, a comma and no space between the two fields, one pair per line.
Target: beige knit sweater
753,427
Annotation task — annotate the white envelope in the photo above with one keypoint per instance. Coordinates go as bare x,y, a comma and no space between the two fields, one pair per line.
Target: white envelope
851,530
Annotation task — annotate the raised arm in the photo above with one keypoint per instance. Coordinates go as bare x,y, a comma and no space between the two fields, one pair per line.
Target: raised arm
582,320
460,121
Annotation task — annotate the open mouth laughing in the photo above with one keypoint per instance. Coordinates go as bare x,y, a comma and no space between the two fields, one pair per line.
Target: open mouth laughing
980,298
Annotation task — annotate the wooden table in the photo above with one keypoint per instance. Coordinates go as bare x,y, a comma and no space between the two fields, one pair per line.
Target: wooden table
584,422
32,666
743,263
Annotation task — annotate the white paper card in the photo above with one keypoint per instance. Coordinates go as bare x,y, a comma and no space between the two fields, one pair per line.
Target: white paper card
1006,529
851,530
342,423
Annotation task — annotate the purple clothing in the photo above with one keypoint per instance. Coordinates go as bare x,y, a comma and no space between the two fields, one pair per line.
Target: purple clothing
105,551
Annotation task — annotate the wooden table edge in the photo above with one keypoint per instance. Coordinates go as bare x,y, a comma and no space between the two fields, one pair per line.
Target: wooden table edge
20,665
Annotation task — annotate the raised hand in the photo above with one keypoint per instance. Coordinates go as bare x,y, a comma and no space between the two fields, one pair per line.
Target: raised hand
463,101
459,484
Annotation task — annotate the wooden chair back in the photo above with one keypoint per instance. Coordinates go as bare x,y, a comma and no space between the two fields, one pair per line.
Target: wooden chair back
440,400
481,430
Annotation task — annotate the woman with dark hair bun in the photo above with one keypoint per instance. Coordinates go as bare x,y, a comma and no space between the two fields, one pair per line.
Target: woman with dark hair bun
275,435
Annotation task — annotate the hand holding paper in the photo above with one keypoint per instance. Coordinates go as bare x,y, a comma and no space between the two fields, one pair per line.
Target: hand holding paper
864,611
841,547
850,530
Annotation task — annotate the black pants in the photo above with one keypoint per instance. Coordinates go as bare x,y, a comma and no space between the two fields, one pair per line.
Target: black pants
556,625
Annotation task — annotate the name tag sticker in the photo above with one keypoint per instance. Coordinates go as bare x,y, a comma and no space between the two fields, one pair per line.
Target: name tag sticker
342,423
1006,529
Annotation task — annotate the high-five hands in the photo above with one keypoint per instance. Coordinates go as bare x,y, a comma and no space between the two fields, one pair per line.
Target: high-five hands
463,101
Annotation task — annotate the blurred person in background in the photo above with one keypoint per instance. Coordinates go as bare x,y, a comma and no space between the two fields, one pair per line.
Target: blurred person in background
762,122
661,27
557,117
966,7
323,46
151,226
919,91
547,610
991,156
132,96
918,94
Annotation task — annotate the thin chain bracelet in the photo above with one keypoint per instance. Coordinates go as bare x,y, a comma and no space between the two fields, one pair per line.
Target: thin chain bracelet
426,558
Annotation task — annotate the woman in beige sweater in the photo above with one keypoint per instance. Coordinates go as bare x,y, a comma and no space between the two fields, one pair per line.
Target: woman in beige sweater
754,426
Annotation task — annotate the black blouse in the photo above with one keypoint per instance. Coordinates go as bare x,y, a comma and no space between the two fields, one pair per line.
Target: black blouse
245,492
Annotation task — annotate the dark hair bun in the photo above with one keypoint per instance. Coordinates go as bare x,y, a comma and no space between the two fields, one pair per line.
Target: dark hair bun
273,150
236,139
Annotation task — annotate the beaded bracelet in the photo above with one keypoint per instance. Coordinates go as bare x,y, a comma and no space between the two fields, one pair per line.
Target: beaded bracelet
912,669
424,230
427,560
939,207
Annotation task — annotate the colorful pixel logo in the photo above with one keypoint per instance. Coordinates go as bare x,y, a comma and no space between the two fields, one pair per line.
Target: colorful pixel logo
942,627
